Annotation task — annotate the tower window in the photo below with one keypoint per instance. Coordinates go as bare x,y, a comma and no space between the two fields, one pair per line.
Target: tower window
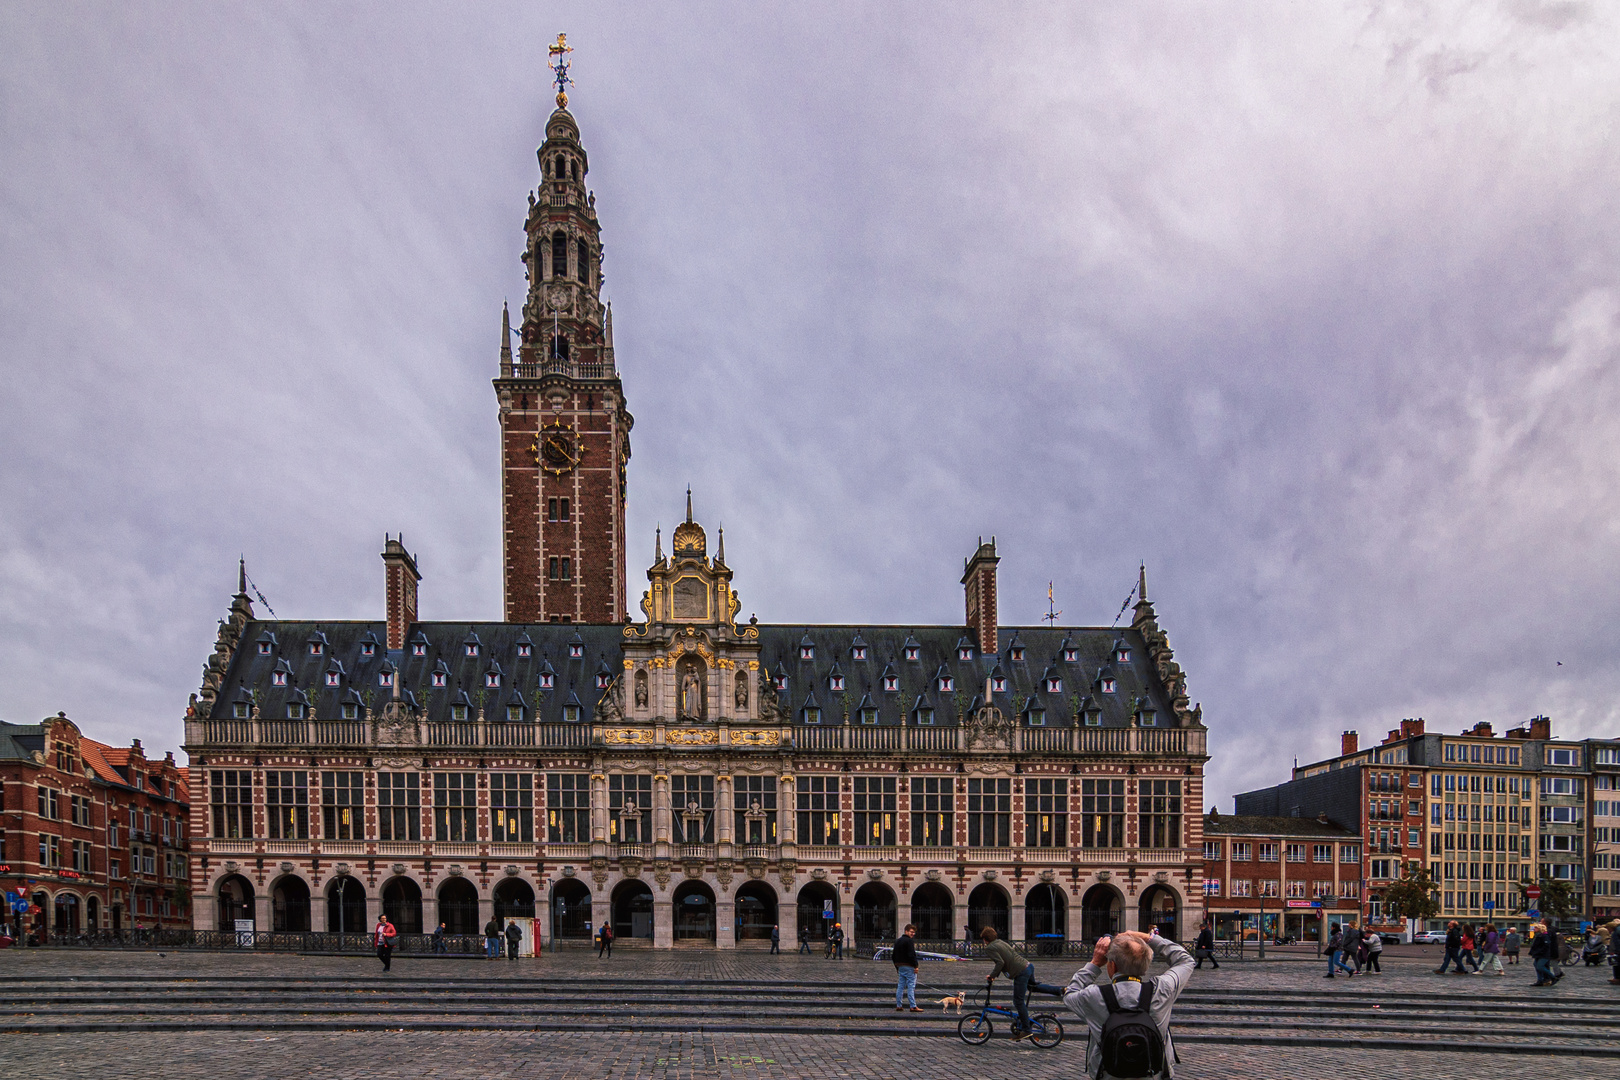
551,568
559,255
559,346
551,509
563,509
582,269
567,568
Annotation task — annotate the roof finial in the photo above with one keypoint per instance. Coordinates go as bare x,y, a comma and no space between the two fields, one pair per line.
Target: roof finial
1141,582
720,556
658,543
688,502
506,333
241,575
559,51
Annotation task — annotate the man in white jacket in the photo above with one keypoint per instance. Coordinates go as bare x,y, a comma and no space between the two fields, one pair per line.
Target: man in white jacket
1127,957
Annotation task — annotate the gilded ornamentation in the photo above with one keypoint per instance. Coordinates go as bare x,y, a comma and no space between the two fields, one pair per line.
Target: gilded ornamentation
756,738
627,736
691,737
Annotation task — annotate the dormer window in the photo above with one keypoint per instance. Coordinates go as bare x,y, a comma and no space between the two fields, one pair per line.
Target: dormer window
368,648
472,648
571,713
295,711
458,712
946,684
858,652
602,681
1037,718
1108,686
241,710
869,715
351,711
514,713
264,648
1018,654
419,649
1122,656
913,652
438,678
524,648
545,680
965,653
314,648
1054,686
781,684
492,679
835,682
925,717
807,652
812,715
278,678
891,683
1071,656
385,678
576,651
998,684
333,678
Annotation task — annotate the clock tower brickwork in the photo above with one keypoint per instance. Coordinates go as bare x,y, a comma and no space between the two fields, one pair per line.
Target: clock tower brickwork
565,430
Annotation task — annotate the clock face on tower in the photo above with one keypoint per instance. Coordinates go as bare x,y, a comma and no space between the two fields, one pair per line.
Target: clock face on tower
556,449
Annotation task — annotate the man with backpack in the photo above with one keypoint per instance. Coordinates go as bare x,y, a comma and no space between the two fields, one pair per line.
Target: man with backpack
1128,1020
514,934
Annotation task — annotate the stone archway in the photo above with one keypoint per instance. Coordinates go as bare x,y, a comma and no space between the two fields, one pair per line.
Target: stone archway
812,907
289,904
571,910
458,906
633,910
346,906
67,914
402,903
988,906
933,912
756,911
1046,914
514,899
1161,907
1101,912
694,912
875,913
92,913
235,894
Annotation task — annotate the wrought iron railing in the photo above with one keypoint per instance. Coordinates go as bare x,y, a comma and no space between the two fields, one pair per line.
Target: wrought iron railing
264,941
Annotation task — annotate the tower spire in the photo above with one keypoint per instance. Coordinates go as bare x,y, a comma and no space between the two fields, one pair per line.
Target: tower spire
720,556
506,335
1141,582
241,575
658,544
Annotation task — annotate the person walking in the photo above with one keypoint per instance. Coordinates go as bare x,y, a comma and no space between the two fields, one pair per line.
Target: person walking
514,934
1468,944
604,940
804,941
1127,957
1374,944
776,941
1490,947
1204,948
383,936
1541,955
1614,956
835,942
905,970
1336,953
1510,946
1453,949
1017,969
492,940
1352,945
438,939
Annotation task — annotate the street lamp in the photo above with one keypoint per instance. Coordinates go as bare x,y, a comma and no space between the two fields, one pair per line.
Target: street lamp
1262,923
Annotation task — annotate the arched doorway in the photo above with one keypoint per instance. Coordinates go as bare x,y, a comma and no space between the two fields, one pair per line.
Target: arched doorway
1046,917
1161,909
402,903
458,906
874,913
987,906
289,905
694,912
346,906
235,901
812,909
933,912
92,913
67,913
514,899
633,910
118,918
756,911
1100,911
571,909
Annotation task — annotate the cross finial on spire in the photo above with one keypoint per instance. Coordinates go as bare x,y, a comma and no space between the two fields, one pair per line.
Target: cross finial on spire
559,51
1052,612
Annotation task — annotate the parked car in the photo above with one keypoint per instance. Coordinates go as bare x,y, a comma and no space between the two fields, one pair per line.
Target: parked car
1429,937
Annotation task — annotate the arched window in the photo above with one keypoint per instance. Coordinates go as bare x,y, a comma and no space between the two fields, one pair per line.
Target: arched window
559,255
573,170
583,268
559,346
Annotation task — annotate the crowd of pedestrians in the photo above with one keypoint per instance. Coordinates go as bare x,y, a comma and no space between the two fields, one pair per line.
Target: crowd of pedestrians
1354,951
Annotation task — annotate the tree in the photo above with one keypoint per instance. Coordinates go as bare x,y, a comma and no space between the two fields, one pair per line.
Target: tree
1414,895
1557,899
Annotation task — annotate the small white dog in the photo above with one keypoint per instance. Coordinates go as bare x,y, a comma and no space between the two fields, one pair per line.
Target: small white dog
946,1004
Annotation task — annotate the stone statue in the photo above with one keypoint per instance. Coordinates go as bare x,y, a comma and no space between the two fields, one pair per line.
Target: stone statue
641,689
742,690
691,695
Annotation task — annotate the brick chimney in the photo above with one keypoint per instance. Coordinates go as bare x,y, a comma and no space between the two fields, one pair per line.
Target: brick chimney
1349,742
1411,728
399,570
979,578
1540,727
1391,737
1482,728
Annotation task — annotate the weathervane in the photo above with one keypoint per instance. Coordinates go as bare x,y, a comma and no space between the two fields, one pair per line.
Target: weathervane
559,67
1052,612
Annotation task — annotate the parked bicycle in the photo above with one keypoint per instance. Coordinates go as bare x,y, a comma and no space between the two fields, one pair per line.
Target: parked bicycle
1045,1029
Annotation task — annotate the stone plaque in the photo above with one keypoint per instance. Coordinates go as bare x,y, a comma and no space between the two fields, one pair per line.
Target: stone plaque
691,598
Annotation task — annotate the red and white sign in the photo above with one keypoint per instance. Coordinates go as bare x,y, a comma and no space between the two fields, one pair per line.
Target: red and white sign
1533,892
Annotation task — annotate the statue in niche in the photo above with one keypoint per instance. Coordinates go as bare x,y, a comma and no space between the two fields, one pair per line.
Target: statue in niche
742,691
641,689
691,689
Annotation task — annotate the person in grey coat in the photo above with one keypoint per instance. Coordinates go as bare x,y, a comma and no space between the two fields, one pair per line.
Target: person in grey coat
1352,945
1127,957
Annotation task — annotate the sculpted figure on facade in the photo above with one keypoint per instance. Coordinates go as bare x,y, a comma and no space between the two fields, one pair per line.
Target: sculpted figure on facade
742,691
641,689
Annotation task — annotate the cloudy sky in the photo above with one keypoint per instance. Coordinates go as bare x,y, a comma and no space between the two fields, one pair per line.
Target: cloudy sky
1314,308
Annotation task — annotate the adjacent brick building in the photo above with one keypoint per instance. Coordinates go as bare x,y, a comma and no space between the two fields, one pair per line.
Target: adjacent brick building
1279,876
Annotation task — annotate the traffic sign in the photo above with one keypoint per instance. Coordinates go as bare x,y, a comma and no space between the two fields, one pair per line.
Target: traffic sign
826,909
1489,904
1533,914
1533,892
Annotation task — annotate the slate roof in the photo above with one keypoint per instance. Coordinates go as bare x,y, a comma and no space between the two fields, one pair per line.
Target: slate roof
19,742
1257,825
1136,682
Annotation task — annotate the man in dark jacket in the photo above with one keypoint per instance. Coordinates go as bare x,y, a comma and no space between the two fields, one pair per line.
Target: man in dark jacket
1352,944
1453,949
492,940
905,968
514,934
1542,951
1204,948
776,940
804,940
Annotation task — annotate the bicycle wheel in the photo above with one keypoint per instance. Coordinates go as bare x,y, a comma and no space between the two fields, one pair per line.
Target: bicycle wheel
975,1029
1046,1031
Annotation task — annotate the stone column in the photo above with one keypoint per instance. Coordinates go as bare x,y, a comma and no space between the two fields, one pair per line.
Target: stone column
723,810
1016,925
787,817
599,807
663,922
960,915
430,910
486,911
261,911
660,808
317,907
725,922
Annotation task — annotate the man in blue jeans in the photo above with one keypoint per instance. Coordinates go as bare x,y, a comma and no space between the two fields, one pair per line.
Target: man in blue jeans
905,967
1335,952
1453,949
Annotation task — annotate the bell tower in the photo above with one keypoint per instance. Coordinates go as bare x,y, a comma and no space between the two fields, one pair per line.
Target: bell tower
565,430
